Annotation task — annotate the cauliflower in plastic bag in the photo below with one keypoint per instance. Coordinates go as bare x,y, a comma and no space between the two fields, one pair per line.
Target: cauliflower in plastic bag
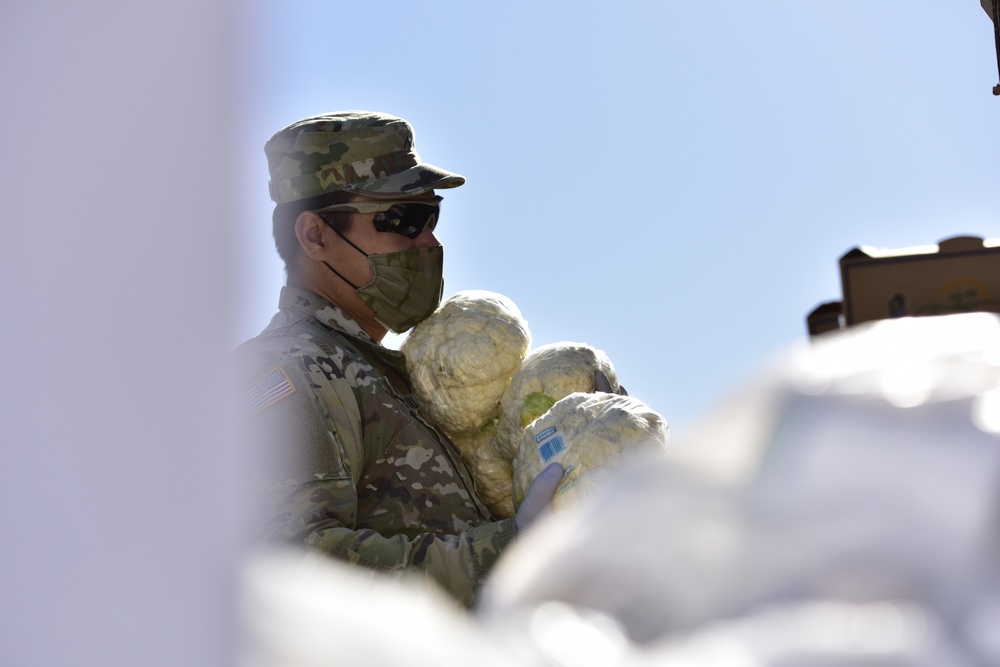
493,473
590,434
548,373
462,357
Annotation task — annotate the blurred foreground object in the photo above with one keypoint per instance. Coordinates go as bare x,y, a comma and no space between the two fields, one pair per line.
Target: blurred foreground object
841,510
304,610
958,275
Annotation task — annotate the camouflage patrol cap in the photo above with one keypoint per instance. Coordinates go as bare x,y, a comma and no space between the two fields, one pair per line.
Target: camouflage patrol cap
356,151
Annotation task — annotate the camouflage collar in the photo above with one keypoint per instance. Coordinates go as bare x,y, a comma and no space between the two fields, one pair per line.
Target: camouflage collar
310,303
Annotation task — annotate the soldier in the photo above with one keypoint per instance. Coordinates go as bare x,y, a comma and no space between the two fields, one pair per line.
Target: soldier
349,463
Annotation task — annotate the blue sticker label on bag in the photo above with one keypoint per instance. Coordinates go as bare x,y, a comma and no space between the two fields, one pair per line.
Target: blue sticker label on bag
551,447
544,434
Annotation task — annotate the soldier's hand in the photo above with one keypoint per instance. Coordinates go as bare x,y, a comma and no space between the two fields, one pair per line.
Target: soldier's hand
539,495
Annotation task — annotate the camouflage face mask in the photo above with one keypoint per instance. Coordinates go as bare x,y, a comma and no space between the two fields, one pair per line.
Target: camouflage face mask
406,286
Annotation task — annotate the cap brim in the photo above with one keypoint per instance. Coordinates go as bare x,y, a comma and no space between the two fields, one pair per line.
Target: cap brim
414,181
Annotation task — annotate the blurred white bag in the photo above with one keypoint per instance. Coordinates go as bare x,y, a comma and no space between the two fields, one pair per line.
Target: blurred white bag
864,468
301,609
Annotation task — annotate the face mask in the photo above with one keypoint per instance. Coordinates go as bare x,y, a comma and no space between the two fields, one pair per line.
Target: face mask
405,288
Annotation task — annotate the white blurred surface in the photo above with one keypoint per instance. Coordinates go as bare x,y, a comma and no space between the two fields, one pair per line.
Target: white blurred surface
840,494
311,611
118,517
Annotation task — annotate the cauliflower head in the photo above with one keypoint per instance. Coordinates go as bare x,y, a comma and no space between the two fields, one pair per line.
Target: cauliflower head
462,357
590,434
492,473
547,374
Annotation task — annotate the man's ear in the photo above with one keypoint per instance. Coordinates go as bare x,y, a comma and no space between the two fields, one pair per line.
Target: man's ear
310,230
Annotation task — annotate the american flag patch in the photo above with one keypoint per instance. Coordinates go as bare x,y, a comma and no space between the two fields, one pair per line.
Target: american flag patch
270,389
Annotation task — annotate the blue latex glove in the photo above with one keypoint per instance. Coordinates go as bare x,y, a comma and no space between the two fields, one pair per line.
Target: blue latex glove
539,495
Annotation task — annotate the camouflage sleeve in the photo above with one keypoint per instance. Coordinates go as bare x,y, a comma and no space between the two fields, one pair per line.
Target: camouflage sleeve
307,469
459,563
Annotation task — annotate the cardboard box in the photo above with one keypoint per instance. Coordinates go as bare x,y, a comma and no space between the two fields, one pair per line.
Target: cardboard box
959,275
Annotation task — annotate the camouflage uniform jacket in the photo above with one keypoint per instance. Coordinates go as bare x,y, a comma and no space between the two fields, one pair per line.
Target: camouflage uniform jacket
348,464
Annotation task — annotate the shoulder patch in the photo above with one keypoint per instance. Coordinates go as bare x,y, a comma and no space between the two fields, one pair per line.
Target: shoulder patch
267,391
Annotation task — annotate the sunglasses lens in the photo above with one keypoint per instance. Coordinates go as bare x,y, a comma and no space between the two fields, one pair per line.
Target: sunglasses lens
407,219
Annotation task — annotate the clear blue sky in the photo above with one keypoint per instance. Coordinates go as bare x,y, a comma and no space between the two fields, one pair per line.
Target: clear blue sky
671,182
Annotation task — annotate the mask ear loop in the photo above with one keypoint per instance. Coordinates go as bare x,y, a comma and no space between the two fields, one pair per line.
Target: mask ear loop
350,243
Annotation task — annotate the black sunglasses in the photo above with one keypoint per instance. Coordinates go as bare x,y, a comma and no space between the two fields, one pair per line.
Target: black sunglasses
408,217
